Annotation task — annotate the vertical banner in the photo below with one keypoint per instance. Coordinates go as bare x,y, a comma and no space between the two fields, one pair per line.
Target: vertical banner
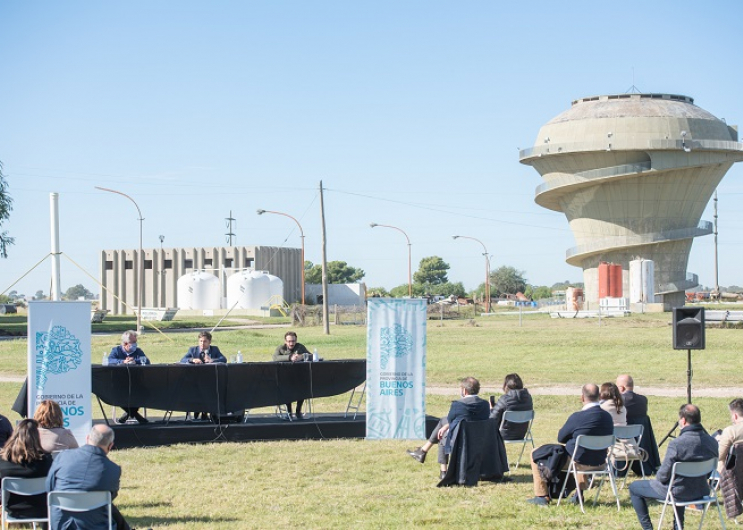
59,361
396,368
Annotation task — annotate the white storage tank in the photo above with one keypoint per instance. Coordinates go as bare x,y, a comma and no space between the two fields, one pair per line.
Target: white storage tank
642,281
276,287
198,290
248,289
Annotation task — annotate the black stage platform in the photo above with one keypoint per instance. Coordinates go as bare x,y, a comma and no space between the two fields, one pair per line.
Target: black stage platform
259,427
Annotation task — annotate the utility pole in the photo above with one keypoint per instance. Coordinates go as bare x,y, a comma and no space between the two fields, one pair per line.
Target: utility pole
230,234
325,315
717,282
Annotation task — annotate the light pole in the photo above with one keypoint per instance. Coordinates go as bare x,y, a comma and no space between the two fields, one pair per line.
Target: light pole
487,269
140,261
301,233
410,256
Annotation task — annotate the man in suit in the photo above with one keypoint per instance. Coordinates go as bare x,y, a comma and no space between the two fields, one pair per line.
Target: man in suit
87,469
291,351
204,353
591,420
693,444
470,407
128,353
636,404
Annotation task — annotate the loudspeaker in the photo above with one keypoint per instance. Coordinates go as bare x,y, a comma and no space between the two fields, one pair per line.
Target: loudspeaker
688,328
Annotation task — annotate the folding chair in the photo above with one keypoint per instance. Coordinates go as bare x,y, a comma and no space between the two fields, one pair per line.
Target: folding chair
21,486
80,501
633,435
689,470
283,413
519,416
592,443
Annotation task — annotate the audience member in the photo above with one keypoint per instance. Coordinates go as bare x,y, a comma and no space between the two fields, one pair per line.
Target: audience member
636,404
87,469
591,420
6,429
128,353
470,407
693,444
515,397
54,437
731,434
291,351
23,457
204,353
611,401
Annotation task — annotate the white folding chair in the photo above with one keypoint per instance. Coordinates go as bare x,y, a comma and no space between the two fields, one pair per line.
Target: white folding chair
633,435
25,487
591,443
519,416
690,470
80,501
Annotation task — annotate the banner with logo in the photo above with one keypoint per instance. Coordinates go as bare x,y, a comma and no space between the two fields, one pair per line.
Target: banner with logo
396,368
59,361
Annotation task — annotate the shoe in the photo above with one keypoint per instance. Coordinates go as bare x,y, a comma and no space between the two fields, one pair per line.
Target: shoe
123,418
418,454
539,501
141,419
299,415
574,500
442,475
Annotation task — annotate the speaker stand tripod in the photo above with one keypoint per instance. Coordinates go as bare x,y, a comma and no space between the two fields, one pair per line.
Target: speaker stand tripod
688,396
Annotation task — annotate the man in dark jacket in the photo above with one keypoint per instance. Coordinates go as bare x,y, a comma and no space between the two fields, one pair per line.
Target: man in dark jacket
470,408
693,444
636,404
590,420
515,397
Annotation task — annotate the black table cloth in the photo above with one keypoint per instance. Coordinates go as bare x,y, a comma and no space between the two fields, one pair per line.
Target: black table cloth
222,388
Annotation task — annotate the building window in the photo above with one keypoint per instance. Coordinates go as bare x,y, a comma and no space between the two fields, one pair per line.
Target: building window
228,262
109,265
148,264
168,264
188,264
128,264
249,262
208,262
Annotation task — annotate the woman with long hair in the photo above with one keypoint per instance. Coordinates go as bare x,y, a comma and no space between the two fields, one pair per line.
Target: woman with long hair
23,457
54,437
612,402
515,397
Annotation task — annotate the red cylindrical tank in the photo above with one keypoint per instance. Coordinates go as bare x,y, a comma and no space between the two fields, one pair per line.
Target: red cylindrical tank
615,280
604,279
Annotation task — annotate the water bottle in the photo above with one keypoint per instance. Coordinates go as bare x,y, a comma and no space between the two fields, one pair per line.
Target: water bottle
315,356
104,362
239,356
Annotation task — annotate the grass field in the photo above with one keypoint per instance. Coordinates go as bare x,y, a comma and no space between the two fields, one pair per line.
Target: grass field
374,484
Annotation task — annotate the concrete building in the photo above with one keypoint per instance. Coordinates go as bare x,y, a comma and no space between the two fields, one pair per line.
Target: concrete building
163,267
633,174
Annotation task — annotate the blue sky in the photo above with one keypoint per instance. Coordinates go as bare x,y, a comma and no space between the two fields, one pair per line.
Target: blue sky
411,113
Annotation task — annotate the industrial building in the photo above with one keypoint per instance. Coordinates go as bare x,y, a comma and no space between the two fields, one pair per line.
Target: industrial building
633,174
163,268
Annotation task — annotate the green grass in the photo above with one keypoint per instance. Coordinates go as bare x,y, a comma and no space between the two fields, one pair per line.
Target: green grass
374,484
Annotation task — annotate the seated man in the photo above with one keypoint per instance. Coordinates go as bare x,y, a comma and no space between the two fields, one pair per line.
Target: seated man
291,351
732,434
693,444
87,469
128,354
591,420
636,406
204,353
515,397
470,407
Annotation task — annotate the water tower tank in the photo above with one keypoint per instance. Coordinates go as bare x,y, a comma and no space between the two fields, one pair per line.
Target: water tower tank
248,289
642,281
276,287
198,290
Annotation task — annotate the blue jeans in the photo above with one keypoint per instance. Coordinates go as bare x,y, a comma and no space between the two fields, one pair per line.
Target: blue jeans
640,490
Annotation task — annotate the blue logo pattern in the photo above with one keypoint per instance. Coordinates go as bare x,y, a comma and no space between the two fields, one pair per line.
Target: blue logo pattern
57,352
395,341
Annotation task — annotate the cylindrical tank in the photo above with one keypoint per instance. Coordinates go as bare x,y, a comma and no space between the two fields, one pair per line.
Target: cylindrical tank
276,286
604,280
248,289
615,280
574,299
642,281
198,290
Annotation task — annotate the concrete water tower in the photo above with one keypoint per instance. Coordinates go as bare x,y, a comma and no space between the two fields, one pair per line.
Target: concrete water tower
633,174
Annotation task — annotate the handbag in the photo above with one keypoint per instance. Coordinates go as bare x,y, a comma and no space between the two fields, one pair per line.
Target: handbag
626,451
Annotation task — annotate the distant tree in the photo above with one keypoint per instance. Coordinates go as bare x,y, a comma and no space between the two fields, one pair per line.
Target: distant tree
13,295
39,295
507,280
431,271
338,272
377,291
6,206
732,289
78,291
447,289
402,290
561,286
540,292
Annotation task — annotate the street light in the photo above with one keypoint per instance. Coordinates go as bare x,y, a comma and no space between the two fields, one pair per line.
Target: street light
140,264
301,232
487,269
410,256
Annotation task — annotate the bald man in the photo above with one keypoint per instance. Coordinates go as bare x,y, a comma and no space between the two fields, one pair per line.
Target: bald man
636,405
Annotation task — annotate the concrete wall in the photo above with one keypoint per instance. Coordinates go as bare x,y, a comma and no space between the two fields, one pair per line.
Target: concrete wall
338,294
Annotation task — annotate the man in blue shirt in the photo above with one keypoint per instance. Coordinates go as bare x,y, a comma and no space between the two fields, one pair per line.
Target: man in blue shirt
127,353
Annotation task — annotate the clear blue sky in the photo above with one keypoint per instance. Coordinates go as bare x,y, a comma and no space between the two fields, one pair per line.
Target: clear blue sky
411,113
